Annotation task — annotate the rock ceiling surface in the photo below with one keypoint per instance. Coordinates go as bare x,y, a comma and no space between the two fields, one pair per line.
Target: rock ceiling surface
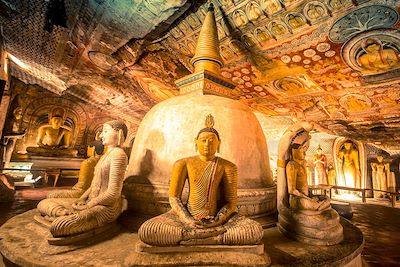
334,62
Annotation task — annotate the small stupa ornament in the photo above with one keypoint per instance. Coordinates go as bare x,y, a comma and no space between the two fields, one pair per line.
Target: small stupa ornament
207,63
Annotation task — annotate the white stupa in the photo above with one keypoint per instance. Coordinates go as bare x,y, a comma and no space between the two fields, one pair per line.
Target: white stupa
168,131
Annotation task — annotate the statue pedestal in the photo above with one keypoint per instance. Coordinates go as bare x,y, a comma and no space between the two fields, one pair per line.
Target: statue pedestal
52,152
210,255
36,162
24,242
50,166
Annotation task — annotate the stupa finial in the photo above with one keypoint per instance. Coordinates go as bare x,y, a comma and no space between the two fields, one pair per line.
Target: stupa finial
207,56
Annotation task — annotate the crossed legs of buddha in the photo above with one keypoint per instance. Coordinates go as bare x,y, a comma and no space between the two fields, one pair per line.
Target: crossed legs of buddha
167,230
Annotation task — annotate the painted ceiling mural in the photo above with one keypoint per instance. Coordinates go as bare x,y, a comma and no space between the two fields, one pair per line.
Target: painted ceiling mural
334,62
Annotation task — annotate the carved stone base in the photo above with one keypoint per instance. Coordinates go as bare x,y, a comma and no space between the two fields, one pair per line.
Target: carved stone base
201,255
312,227
91,235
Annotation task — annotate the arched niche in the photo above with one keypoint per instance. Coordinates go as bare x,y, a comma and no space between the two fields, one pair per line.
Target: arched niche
37,113
338,145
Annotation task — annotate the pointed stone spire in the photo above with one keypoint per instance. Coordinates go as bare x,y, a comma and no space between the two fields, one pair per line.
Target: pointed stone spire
207,62
207,56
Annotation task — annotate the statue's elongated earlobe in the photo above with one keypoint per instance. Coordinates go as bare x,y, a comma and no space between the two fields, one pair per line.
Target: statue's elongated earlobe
120,137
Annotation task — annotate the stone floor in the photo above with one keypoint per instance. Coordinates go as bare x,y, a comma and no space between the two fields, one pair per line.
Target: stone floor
379,223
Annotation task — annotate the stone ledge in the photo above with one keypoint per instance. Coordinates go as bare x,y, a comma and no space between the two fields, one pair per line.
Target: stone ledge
210,255
24,242
252,249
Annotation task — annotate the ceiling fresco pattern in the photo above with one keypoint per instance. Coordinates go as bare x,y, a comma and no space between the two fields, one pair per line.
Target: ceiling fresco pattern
333,62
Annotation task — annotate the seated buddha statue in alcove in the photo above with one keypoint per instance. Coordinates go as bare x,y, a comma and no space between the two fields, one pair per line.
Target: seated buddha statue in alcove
54,138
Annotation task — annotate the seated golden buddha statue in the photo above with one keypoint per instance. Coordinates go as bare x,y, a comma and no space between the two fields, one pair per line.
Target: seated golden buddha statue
306,218
101,203
210,214
54,138
86,173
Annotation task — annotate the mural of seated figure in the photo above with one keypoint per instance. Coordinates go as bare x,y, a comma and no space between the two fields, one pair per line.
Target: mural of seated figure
305,218
209,217
54,139
101,204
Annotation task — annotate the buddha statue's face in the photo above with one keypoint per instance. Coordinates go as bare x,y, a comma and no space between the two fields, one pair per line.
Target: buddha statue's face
379,158
319,151
56,122
109,136
207,144
347,146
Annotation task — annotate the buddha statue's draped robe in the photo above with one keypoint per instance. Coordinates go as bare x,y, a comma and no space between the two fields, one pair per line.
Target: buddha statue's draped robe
212,192
103,199
86,173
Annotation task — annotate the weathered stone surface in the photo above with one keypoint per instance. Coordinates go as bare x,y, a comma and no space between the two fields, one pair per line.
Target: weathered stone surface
199,255
24,242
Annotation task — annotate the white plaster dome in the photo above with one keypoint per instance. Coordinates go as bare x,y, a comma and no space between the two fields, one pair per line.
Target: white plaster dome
168,131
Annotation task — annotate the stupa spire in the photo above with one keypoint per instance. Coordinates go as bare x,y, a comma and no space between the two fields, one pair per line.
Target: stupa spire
207,56
207,61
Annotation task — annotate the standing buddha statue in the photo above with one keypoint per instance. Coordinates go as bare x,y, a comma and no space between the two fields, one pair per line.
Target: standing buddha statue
380,176
320,163
349,165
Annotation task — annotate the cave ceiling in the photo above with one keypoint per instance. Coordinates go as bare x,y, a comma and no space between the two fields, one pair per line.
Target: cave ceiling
333,62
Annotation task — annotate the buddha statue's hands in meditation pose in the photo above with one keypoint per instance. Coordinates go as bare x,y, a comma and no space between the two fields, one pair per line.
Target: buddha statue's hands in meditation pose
210,214
102,201
320,162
